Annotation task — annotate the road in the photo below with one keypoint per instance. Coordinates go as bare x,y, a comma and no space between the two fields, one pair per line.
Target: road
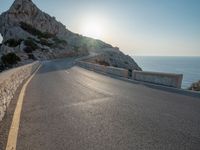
70,108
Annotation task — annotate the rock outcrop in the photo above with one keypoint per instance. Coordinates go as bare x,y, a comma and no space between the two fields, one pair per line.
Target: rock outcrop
33,34
26,11
195,86
116,59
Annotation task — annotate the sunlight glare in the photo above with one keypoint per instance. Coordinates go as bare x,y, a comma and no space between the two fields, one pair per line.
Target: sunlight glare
92,28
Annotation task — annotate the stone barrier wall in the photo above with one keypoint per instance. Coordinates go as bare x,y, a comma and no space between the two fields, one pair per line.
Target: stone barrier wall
10,81
117,71
166,79
104,69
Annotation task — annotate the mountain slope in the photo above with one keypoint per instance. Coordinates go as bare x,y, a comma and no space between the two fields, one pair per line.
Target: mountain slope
32,34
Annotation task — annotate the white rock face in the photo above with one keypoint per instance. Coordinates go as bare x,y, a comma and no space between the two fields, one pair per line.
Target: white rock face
26,11
1,39
16,32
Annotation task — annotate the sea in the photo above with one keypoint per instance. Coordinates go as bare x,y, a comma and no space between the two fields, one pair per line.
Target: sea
188,66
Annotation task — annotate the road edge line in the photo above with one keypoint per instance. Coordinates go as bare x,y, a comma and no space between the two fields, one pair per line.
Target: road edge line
14,128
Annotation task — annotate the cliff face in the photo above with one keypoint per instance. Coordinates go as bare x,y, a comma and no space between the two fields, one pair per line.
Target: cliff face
195,86
26,11
31,33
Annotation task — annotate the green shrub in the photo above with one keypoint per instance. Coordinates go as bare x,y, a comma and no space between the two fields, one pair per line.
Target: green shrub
30,29
2,67
12,42
102,62
111,59
10,59
31,56
126,62
28,50
47,35
31,44
59,41
76,48
45,42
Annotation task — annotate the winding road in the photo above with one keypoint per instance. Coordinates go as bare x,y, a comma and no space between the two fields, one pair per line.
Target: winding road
69,108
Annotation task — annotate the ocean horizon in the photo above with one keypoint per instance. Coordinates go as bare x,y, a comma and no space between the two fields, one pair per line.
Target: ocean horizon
189,66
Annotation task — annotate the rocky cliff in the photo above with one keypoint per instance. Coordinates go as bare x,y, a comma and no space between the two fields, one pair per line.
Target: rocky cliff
32,34
195,86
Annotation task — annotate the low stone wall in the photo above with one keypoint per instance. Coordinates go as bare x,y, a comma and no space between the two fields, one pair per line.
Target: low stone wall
166,79
10,81
104,69
117,71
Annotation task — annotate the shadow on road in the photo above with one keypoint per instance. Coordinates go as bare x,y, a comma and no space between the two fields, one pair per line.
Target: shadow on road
56,65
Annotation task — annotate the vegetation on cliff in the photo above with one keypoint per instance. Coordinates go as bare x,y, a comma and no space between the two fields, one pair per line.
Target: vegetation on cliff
13,42
32,30
9,60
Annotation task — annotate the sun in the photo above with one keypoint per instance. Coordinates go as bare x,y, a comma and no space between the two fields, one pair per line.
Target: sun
92,28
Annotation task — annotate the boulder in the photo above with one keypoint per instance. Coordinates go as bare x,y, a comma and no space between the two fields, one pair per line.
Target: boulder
195,86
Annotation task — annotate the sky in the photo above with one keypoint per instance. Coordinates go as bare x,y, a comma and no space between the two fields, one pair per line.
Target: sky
137,27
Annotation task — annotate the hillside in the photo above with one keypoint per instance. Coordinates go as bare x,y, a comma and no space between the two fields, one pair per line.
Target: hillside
32,34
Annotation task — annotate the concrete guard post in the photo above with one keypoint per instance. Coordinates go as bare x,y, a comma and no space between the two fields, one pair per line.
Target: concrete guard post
166,79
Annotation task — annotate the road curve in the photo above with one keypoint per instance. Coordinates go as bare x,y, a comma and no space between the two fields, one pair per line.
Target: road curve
70,108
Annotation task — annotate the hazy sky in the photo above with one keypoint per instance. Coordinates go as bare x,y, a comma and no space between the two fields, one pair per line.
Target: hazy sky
138,27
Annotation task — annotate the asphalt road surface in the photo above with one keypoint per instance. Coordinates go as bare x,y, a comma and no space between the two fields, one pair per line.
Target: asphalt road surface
70,108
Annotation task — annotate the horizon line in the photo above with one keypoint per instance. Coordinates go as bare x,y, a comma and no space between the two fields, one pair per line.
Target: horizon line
165,55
